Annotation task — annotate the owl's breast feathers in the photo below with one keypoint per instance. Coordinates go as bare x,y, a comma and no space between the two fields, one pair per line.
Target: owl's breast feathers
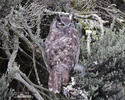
61,50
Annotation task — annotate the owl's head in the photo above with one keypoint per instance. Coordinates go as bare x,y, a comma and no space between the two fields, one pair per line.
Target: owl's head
64,22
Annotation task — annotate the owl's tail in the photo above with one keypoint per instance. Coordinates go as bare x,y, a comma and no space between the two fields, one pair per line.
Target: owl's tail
58,76
54,83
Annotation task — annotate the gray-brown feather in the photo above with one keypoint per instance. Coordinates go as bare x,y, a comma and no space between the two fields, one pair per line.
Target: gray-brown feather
62,51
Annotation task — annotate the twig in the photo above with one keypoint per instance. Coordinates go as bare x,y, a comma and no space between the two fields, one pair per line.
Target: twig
12,68
36,42
35,69
30,57
42,93
30,87
38,26
5,43
4,58
78,16
13,55
101,24
36,86
88,42
21,35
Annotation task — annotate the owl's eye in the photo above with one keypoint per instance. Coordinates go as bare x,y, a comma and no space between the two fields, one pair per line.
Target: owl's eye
60,24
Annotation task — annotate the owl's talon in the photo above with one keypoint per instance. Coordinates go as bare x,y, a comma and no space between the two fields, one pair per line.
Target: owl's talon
56,91
50,89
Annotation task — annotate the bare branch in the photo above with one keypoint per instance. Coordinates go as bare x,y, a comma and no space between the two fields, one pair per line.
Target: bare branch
88,42
35,69
13,68
13,55
30,87
95,16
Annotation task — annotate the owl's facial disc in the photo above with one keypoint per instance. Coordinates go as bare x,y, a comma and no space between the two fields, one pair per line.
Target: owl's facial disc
63,22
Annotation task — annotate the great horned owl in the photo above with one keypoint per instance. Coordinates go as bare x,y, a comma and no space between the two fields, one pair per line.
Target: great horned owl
61,51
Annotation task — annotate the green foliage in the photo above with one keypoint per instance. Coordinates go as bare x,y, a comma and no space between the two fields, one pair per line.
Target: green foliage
111,45
105,71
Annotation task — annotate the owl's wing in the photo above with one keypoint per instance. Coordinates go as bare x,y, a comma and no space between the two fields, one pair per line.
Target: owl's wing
63,49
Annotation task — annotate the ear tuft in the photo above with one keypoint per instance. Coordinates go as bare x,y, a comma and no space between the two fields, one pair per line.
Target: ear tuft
58,18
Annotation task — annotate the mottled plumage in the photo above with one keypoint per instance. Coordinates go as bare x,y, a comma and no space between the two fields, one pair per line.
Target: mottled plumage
61,51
